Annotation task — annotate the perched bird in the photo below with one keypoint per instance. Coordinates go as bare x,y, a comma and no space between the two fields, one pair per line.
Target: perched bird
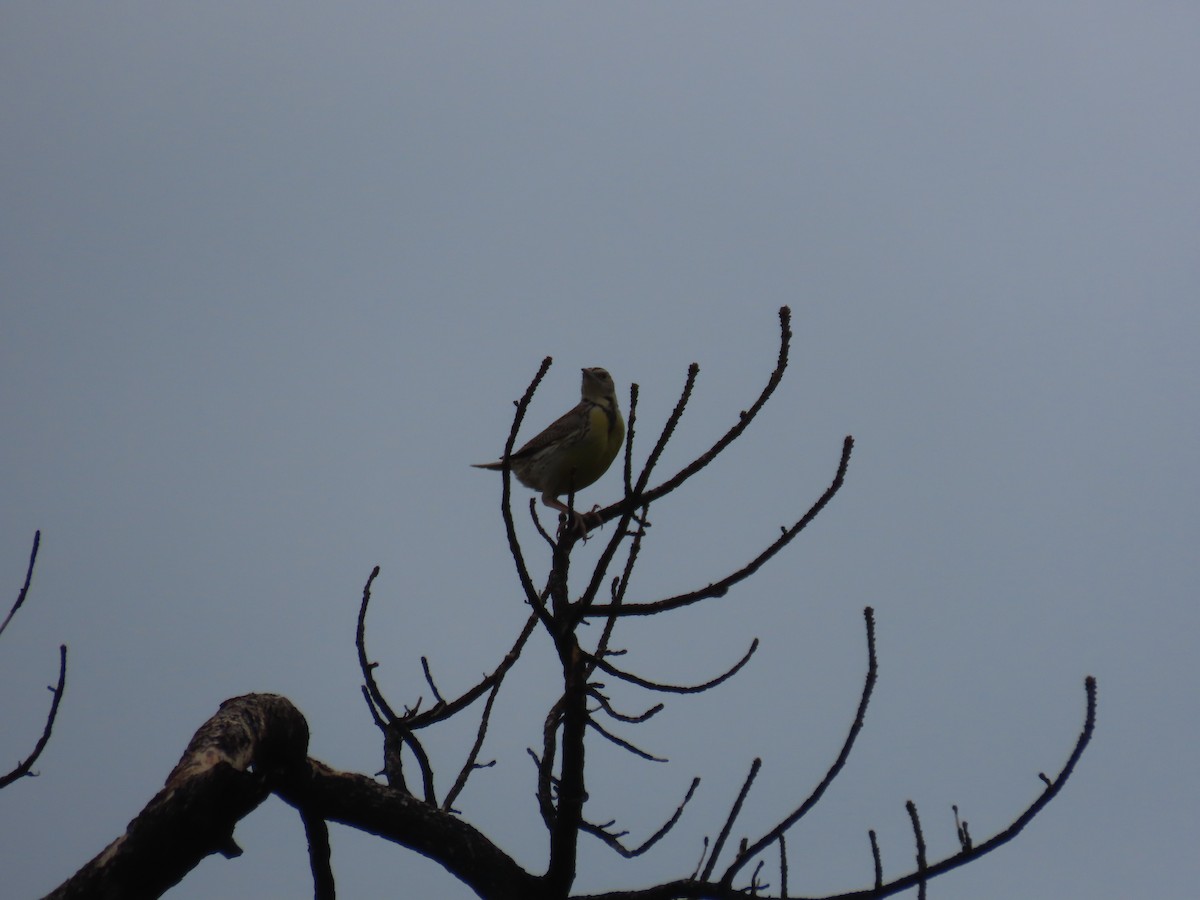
577,449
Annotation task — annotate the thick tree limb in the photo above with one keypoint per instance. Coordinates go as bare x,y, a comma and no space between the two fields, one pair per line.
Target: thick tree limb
225,773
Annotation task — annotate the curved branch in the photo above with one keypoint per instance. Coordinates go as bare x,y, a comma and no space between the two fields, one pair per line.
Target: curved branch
676,688
630,852
510,529
641,497
25,767
225,772
368,668
444,710
622,743
744,420
775,833
612,712
720,588
919,837
1002,837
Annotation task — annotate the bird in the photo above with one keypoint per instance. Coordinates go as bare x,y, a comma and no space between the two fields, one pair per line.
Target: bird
576,449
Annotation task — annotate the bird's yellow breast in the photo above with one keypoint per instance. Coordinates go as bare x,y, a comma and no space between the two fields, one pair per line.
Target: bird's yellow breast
588,458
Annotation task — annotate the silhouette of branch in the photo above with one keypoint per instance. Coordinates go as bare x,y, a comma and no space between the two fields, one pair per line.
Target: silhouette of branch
514,545
643,496
617,593
37,541
622,743
811,801
630,423
375,696
607,707
25,767
437,695
720,588
608,667
733,814
227,770
319,853
919,837
469,766
783,868
876,859
961,829
445,709
613,840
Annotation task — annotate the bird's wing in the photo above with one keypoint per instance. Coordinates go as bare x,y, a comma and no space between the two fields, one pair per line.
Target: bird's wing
565,425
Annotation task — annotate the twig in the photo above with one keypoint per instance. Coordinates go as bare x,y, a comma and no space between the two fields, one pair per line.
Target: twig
25,767
676,688
469,766
367,667
783,868
876,858
919,837
733,814
721,587
514,545
811,801
613,840
606,705
37,541
744,420
437,695
622,743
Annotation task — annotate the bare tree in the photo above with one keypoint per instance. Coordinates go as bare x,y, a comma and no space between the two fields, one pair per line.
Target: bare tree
257,744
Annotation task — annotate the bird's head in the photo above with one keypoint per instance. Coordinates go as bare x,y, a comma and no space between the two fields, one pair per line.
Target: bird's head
598,385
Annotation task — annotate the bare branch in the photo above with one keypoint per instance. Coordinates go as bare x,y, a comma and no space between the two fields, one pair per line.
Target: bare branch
648,496
721,587
622,743
606,705
514,545
444,710
37,541
368,668
225,772
876,858
811,801
437,695
608,667
783,868
961,829
630,423
362,803
470,765
919,837
25,767
733,814
319,853
630,852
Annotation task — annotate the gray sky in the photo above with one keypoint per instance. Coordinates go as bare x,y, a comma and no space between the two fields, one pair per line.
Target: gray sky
272,275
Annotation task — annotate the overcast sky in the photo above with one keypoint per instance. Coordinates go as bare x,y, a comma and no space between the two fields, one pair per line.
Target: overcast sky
271,275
